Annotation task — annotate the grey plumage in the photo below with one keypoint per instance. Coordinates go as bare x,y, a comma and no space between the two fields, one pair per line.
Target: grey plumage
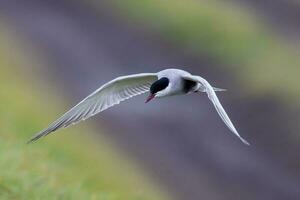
108,95
165,83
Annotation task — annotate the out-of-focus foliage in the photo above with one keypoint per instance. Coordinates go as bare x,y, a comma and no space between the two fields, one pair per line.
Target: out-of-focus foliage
181,141
225,31
67,167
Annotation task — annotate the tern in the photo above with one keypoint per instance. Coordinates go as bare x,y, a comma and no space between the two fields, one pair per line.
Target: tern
168,82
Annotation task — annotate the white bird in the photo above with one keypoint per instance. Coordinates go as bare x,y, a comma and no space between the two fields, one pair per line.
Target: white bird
168,82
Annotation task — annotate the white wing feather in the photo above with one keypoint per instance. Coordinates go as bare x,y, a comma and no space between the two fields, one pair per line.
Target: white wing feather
214,99
108,95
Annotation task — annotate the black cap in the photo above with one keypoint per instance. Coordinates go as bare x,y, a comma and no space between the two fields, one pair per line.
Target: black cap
159,85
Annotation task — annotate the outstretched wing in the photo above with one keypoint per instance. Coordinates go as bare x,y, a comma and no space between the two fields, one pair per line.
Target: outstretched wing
214,99
108,95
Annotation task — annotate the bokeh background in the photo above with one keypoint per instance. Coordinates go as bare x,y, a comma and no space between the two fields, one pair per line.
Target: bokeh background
54,53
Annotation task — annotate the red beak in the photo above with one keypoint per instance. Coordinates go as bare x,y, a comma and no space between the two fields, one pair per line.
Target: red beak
150,97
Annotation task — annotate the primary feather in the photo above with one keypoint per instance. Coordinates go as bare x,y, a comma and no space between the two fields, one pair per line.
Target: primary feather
218,106
108,95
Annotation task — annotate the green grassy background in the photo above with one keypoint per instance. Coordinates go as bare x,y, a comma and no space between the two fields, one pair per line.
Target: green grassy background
72,166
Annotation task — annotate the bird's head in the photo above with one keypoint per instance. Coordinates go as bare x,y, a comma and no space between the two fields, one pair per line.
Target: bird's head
157,88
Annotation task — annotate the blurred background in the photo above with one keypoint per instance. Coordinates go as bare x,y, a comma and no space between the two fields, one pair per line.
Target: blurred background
54,53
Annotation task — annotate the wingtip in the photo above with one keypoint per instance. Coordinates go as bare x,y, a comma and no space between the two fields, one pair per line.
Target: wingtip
30,141
242,139
245,141
33,139
36,137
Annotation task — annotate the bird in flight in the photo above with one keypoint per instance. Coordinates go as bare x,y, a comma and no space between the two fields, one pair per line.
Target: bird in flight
168,82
